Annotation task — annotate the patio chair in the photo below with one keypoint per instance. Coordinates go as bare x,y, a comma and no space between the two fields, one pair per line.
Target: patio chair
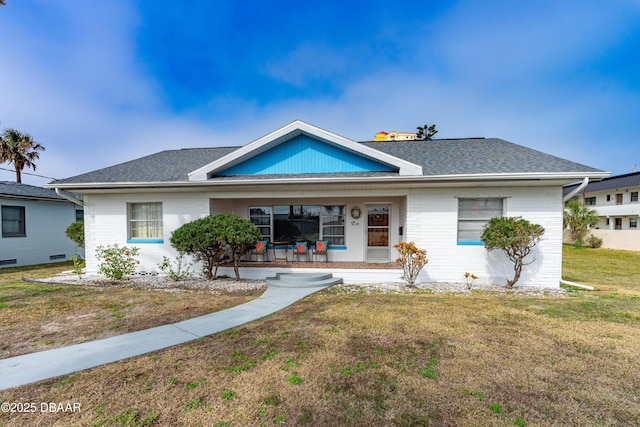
321,249
260,250
301,248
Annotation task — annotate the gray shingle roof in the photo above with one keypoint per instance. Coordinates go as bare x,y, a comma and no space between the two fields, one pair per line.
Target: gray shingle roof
437,157
611,183
24,191
477,156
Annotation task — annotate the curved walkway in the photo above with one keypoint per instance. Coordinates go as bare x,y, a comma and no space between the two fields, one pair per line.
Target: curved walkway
29,368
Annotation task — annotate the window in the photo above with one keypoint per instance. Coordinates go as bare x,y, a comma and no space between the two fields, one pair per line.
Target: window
590,201
633,222
145,222
608,197
473,215
300,222
13,223
634,196
79,215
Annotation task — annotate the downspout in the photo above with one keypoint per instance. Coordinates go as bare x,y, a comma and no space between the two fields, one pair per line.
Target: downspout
68,197
578,189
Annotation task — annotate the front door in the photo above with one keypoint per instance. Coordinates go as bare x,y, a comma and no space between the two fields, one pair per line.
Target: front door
378,221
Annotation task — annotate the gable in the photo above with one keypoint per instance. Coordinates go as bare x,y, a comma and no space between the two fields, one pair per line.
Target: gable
302,148
305,154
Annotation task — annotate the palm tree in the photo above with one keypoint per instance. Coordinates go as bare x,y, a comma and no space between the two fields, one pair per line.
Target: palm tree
578,218
20,149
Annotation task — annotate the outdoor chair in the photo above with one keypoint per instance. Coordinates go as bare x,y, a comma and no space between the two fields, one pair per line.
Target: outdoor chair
260,250
321,249
301,248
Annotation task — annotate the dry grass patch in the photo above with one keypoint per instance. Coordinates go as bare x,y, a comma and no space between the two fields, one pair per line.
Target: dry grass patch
36,316
372,359
379,359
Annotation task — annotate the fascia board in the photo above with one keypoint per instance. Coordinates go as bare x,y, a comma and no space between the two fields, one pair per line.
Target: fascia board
405,168
506,177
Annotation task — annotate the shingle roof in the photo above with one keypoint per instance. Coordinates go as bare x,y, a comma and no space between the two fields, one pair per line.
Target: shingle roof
19,190
611,183
477,156
437,157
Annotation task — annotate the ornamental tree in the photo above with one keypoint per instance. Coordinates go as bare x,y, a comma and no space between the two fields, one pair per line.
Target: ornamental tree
412,260
516,237
239,234
203,240
213,238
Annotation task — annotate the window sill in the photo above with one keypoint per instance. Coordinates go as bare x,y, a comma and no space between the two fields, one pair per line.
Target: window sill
470,243
143,241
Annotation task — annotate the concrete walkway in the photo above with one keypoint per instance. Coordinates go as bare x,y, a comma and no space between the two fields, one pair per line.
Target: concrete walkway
29,368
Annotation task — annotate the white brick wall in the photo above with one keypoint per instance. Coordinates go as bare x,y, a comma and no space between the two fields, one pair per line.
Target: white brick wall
430,221
432,225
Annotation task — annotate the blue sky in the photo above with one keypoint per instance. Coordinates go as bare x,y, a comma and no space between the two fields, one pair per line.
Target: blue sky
100,83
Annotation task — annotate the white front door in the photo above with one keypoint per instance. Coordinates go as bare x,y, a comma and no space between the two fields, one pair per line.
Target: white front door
378,222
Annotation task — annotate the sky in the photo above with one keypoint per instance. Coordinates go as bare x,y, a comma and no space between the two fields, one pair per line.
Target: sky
99,83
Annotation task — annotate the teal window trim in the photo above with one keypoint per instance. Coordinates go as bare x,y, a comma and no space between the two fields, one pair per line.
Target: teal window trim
470,243
143,241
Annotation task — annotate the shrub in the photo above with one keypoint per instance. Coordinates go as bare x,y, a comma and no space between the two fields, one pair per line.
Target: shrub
181,270
202,239
412,260
213,238
117,262
240,235
594,242
516,237
78,266
75,231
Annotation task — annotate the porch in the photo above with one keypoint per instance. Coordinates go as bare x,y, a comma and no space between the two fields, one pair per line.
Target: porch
350,271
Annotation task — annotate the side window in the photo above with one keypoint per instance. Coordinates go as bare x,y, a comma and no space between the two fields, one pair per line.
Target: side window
13,221
473,215
145,222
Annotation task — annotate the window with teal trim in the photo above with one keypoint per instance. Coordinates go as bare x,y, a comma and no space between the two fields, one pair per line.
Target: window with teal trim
145,221
473,215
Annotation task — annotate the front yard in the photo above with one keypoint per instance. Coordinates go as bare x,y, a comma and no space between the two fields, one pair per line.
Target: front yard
347,357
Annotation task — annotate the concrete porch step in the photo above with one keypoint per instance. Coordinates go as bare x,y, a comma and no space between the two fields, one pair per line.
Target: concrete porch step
303,280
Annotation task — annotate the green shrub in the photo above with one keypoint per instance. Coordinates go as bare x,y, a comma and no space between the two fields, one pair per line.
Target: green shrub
213,238
594,242
117,262
177,271
75,231
516,237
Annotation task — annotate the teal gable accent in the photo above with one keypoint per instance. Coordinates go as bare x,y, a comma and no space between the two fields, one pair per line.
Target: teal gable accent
303,154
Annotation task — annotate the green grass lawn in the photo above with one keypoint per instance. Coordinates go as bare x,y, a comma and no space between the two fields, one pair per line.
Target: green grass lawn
340,358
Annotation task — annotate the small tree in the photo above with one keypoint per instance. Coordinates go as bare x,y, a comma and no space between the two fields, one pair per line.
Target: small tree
240,234
516,237
578,218
426,132
412,260
75,232
203,239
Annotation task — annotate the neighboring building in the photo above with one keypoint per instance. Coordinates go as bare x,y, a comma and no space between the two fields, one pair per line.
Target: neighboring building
615,199
302,182
34,221
395,136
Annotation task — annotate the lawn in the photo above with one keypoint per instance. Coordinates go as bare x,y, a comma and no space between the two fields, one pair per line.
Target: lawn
343,357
